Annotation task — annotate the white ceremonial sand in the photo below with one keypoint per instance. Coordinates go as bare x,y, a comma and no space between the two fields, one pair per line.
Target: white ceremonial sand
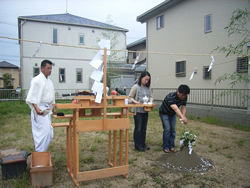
184,162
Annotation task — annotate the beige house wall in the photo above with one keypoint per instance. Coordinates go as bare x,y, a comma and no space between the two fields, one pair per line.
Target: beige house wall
183,39
14,76
139,48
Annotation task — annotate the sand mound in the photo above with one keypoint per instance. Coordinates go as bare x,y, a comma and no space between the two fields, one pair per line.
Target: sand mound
184,162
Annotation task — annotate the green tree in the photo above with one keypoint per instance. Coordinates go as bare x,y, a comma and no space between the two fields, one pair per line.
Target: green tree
110,34
238,25
7,81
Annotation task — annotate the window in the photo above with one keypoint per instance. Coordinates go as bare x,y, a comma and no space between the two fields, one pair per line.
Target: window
159,22
12,71
81,39
208,23
180,69
134,55
54,36
36,71
242,64
206,74
78,75
12,81
61,75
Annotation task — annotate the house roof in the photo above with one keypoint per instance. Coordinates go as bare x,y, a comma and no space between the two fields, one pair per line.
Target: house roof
67,18
5,64
138,42
157,10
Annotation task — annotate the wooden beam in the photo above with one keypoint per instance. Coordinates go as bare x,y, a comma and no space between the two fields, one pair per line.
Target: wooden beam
103,173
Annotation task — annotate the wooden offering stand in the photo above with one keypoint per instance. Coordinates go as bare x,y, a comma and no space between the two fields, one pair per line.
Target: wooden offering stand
78,123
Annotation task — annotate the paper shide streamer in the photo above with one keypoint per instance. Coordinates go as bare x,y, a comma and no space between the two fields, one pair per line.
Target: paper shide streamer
39,47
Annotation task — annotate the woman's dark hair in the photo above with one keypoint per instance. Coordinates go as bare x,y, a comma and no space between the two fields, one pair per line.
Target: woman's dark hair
44,62
184,89
143,74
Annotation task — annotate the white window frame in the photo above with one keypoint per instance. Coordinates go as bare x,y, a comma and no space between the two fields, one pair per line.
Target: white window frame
62,77
159,22
208,23
53,36
79,39
78,72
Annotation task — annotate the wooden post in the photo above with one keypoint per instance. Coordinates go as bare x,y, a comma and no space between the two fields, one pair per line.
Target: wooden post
74,144
114,147
105,90
109,157
121,147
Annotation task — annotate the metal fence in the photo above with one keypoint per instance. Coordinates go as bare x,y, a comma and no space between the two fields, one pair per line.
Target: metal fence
229,98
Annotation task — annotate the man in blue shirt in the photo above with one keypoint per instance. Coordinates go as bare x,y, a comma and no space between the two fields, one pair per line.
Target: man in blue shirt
168,110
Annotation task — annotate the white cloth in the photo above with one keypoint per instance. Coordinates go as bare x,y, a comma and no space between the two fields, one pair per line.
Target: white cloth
42,93
42,129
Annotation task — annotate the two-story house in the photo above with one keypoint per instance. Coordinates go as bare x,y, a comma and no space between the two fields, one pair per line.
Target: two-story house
70,42
180,38
6,67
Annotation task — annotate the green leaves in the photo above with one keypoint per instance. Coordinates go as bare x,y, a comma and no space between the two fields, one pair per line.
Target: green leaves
188,137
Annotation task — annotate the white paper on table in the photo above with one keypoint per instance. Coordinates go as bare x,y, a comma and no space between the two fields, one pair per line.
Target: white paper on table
192,75
96,61
98,98
103,43
97,75
97,87
126,103
211,64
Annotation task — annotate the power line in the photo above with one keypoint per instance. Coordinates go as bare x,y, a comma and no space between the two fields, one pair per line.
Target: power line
8,23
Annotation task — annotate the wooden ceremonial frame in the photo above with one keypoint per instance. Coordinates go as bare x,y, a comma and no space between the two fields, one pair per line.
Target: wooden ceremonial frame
120,122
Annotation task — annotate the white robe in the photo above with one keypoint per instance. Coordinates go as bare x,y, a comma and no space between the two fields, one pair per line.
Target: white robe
42,93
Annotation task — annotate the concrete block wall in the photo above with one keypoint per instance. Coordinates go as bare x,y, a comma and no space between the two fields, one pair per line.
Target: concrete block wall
227,115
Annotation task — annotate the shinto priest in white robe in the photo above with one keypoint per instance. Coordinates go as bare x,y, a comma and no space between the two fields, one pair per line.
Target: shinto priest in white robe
42,93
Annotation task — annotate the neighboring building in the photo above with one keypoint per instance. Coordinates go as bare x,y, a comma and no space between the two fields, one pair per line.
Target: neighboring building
180,37
134,50
63,38
127,75
6,67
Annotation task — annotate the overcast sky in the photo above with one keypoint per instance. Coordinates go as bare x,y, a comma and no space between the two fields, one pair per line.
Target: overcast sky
123,13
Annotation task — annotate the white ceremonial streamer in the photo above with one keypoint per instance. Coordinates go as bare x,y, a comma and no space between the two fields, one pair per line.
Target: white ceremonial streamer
182,142
190,147
157,79
39,47
136,61
192,75
211,64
